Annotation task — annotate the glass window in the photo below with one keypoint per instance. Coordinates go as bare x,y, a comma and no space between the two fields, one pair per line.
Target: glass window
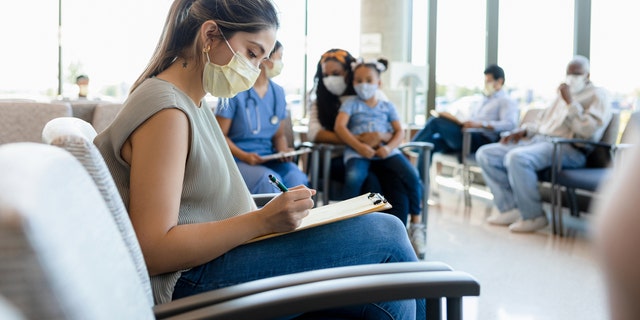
614,53
331,24
110,41
460,50
29,49
535,42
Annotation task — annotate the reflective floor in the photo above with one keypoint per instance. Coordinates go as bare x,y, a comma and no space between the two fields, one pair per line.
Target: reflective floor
522,276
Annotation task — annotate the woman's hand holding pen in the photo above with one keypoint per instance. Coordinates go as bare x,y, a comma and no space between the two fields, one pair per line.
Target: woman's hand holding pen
285,212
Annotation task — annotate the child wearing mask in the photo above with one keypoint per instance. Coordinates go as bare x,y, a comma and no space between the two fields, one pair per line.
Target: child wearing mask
366,113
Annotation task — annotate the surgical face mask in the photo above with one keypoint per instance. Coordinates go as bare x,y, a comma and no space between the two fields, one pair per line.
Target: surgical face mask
366,91
489,88
275,71
576,82
335,84
226,81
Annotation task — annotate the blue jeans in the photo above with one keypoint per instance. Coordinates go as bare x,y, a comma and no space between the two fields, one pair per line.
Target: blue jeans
257,177
510,171
399,169
380,179
371,238
446,136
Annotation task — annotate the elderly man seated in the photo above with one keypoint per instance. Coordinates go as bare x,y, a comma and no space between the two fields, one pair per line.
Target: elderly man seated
509,167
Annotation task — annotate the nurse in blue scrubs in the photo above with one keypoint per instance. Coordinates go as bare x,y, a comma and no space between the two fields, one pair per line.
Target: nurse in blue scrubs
252,123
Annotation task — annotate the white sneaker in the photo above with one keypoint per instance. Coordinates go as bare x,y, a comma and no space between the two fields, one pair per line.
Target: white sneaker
504,218
418,236
529,225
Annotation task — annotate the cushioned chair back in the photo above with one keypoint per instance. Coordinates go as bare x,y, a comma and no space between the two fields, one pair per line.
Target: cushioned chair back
601,157
22,121
84,109
76,136
104,115
610,134
632,129
52,208
530,115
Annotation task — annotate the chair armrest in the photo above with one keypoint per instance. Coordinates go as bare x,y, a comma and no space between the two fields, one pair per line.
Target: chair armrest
476,130
623,146
581,141
233,292
424,147
307,144
341,292
417,144
330,146
556,163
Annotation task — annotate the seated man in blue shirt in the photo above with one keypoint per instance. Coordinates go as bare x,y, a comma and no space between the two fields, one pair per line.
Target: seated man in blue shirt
497,113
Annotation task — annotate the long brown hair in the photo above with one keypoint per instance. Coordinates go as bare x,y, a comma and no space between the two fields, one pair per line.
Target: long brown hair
327,103
185,18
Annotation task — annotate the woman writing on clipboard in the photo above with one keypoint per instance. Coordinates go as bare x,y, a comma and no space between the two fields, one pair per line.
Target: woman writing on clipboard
252,123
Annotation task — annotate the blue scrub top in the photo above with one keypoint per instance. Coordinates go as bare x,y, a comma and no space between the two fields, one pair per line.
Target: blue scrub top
251,128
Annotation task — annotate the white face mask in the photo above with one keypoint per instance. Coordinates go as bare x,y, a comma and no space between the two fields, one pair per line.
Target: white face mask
227,81
489,88
366,91
275,71
335,84
576,83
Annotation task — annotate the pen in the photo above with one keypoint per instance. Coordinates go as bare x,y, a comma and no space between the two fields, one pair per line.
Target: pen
278,183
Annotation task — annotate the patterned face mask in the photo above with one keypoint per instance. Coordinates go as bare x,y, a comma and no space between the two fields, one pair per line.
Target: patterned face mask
228,80
366,91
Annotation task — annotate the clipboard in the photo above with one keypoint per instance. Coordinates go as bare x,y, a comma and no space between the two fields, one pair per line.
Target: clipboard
356,206
280,155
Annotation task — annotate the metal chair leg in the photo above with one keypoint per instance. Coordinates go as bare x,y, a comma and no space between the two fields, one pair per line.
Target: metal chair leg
434,308
454,308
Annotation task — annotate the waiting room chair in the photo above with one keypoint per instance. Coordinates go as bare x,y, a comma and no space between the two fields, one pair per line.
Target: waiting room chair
587,179
66,259
104,114
465,161
84,108
22,121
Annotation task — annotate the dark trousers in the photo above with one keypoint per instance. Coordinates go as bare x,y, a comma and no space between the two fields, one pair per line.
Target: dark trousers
446,137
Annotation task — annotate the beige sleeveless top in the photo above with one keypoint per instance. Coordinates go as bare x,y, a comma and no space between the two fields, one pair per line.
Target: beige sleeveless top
213,188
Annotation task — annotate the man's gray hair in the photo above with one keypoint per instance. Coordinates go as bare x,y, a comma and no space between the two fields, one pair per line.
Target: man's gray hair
582,61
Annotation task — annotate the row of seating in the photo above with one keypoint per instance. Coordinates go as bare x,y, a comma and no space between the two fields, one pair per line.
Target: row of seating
556,183
71,253
23,120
